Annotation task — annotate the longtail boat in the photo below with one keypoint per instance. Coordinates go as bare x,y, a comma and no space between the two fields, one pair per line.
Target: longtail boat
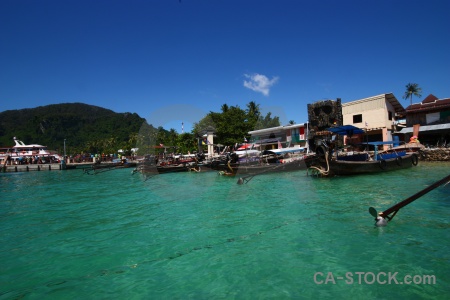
329,162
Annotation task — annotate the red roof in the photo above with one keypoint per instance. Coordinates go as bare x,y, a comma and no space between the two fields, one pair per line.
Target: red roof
430,103
429,99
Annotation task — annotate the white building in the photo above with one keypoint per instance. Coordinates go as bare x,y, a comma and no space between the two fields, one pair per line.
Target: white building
287,135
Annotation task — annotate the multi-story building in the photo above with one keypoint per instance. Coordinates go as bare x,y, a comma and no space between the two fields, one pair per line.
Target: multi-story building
377,115
429,120
288,135
382,117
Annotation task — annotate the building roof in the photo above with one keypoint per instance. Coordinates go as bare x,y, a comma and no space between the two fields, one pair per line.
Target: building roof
430,103
426,128
398,107
430,99
278,128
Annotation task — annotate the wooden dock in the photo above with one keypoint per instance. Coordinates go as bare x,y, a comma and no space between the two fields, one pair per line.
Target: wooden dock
55,167
29,168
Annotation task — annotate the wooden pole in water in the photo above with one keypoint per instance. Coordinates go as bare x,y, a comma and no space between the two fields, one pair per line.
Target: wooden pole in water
4,163
6,160
395,208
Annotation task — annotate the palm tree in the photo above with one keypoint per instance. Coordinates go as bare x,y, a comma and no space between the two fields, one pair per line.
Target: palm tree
224,108
412,89
253,109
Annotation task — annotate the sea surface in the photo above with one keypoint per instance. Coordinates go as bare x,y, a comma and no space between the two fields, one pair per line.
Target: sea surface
114,235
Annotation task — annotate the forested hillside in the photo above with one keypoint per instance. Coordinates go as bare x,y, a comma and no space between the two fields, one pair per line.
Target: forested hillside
85,127
92,129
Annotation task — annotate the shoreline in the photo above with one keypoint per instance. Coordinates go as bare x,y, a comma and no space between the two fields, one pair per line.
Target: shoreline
52,167
427,155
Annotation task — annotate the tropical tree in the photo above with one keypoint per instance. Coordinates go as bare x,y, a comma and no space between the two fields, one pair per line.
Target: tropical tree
412,89
234,123
208,121
187,142
224,108
231,125
267,121
172,137
253,113
253,109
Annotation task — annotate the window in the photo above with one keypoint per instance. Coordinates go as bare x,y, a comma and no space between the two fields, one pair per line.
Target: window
390,115
357,119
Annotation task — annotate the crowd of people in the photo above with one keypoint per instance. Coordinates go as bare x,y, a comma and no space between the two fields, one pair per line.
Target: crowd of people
30,160
88,157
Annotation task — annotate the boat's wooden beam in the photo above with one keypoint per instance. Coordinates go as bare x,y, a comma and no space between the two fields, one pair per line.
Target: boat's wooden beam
382,216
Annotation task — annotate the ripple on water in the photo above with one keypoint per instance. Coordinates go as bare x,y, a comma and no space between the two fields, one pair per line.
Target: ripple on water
200,235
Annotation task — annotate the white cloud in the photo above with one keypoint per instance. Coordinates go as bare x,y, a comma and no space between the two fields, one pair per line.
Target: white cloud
259,83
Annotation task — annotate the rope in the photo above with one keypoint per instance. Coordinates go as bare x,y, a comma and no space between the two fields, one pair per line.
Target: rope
194,169
319,170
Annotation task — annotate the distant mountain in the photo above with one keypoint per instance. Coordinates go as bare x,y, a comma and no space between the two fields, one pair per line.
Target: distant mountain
80,124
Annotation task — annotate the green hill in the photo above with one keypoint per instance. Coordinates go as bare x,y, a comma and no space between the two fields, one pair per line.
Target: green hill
85,127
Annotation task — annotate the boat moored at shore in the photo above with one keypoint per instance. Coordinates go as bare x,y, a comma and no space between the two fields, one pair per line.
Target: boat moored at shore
22,153
329,161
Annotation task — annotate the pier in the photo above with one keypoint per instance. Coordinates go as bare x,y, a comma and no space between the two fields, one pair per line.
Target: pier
45,167
57,166
30,167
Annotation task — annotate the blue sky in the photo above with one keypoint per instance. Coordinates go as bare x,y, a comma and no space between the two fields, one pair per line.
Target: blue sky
173,61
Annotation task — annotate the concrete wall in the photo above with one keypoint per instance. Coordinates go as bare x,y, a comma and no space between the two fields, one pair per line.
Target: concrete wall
374,111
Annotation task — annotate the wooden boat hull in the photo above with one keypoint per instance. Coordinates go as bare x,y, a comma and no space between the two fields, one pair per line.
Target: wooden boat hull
158,169
242,169
337,167
113,165
173,169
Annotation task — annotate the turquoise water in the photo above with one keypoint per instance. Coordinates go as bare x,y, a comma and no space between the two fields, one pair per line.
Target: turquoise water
67,235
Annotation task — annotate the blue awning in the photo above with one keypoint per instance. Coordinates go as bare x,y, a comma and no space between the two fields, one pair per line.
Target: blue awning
267,141
346,130
380,143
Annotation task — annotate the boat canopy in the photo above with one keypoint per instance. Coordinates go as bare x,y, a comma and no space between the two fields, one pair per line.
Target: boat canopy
285,150
346,130
242,153
380,143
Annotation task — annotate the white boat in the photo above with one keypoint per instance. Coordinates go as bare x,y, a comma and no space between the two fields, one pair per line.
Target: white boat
21,153
295,149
